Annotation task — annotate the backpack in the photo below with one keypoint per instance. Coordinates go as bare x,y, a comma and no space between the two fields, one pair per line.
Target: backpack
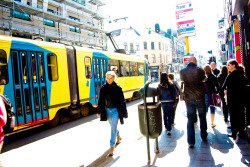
9,126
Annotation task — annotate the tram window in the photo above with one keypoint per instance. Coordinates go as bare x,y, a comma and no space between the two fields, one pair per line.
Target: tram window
15,66
133,69
34,66
114,66
41,67
27,102
124,68
141,68
18,101
88,70
52,67
24,67
44,99
36,100
4,79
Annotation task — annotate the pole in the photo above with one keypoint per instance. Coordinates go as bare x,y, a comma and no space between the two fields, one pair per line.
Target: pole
146,110
187,45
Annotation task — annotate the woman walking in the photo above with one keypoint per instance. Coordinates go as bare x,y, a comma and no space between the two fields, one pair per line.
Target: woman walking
168,100
112,107
212,87
221,78
235,86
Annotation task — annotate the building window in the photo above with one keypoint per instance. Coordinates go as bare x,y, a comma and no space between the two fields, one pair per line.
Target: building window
52,67
132,48
74,29
152,45
126,46
160,58
145,45
48,22
50,11
92,34
159,45
153,59
74,18
137,47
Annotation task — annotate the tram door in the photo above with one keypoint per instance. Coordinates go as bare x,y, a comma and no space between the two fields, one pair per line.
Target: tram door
29,86
100,69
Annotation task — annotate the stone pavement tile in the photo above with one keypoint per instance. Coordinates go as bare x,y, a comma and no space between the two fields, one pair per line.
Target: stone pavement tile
202,164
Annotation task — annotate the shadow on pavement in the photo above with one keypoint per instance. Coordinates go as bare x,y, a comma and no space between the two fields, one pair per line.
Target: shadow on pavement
103,160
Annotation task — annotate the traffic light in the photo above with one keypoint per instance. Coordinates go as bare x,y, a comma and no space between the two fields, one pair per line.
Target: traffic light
210,52
157,28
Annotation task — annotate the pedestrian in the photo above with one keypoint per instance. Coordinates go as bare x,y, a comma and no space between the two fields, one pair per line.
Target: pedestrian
221,78
214,69
3,121
167,98
194,92
235,85
178,89
112,107
212,85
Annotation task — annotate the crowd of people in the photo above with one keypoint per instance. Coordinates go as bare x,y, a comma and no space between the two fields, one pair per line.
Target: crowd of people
200,85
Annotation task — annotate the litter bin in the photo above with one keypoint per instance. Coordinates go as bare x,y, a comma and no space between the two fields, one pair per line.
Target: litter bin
154,117
150,119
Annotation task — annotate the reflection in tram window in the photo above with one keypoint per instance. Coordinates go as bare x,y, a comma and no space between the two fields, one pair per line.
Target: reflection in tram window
4,79
18,101
88,70
34,67
27,102
41,67
52,67
124,68
141,68
44,99
15,65
36,100
133,69
114,66
24,67
97,69
94,70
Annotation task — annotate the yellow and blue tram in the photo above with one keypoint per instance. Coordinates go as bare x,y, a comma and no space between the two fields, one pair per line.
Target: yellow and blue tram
51,82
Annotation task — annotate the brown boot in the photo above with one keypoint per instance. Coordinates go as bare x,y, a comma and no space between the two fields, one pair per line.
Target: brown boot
118,140
111,151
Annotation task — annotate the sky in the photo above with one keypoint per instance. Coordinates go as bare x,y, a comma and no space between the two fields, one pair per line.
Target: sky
146,13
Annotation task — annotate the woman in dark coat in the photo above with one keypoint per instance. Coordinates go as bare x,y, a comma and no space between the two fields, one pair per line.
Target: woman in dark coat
221,78
112,107
213,87
235,86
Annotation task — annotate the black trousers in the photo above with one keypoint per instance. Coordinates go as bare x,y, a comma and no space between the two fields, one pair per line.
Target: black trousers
237,118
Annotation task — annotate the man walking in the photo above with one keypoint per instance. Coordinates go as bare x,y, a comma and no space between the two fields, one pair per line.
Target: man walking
194,92
214,69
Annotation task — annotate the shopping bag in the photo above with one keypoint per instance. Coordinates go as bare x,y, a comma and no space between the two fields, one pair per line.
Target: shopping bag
216,100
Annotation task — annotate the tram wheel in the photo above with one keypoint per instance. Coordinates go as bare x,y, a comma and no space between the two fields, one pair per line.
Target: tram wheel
55,120
84,110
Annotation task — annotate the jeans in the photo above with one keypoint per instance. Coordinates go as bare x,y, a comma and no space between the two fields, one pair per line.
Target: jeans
113,117
212,109
192,105
168,109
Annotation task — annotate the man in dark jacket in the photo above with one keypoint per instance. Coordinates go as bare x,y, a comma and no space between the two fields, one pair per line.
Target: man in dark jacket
112,106
194,92
214,69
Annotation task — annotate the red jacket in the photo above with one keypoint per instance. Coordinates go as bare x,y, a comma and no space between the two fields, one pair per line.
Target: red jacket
3,119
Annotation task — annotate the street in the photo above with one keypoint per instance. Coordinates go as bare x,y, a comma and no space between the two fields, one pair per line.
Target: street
85,142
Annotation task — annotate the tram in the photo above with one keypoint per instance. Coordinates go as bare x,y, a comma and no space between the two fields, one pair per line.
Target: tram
51,82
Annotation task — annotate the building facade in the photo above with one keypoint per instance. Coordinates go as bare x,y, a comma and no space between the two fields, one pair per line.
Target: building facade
74,22
157,49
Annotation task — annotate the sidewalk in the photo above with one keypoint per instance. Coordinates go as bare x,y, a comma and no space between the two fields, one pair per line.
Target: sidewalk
219,150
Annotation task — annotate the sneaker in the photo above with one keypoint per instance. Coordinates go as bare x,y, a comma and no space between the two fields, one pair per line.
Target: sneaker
213,125
168,133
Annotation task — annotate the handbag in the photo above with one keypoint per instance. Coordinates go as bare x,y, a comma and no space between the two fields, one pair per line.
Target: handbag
213,99
216,100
